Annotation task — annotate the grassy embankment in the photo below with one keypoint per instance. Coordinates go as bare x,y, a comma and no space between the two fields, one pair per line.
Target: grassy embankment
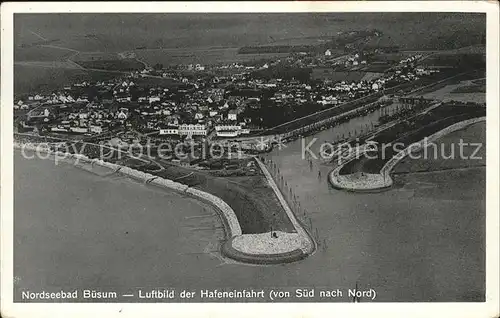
253,201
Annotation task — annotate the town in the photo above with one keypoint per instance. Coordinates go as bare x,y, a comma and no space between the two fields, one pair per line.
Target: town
205,103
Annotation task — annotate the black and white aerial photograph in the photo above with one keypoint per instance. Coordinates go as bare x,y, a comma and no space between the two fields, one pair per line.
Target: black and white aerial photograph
249,157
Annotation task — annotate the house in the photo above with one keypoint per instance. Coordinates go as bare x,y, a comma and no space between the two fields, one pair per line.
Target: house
173,119
328,53
192,130
83,115
232,115
121,115
229,129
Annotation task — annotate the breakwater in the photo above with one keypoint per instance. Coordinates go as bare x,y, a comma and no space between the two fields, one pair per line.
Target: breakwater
360,181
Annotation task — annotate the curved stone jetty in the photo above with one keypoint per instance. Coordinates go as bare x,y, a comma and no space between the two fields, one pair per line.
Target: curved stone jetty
361,181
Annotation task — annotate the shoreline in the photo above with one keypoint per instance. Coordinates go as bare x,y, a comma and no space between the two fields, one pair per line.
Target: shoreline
249,250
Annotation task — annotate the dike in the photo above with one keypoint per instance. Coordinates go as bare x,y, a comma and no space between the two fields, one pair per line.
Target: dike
226,213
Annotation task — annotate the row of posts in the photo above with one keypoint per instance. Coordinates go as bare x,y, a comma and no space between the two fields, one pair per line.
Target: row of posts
294,203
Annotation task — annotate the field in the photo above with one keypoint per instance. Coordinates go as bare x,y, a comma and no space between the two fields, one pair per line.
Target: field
450,143
41,53
28,79
371,76
113,65
202,56
95,56
337,76
31,79
152,81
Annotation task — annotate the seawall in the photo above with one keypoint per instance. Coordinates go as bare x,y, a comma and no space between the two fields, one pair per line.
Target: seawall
241,247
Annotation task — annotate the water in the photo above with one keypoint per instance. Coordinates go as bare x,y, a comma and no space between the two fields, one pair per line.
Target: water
423,241
419,242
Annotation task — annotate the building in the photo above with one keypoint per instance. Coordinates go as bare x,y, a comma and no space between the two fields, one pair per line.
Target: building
192,130
227,126
170,130
328,53
230,130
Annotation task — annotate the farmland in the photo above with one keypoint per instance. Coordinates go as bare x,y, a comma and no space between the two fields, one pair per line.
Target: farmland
113,65
41,53
32,78
332,75
178,37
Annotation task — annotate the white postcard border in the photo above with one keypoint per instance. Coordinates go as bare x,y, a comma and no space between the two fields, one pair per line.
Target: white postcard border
486,309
